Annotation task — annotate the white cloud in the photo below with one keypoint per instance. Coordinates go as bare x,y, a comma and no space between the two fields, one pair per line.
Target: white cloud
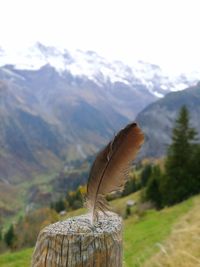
160,31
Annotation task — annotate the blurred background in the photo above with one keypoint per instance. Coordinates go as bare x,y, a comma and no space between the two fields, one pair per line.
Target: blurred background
72,74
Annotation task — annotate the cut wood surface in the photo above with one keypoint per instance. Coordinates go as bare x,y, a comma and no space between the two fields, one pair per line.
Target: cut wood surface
76,242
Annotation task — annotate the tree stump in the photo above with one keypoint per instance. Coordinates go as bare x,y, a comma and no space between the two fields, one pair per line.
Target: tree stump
77,243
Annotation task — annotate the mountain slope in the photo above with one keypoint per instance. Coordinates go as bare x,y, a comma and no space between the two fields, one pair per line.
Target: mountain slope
180,249
39,122
157,120
52,118
48,117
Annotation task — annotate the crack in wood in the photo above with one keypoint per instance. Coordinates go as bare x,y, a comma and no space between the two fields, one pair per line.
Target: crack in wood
74,243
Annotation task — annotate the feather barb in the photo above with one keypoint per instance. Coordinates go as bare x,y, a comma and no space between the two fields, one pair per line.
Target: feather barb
110,168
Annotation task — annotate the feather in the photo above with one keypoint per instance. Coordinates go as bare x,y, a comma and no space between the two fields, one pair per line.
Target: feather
110,168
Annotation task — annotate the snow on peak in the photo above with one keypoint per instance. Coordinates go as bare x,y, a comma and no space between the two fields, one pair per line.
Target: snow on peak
79,63
97,68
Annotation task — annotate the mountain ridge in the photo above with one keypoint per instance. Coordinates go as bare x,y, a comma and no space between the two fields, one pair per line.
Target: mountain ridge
96,68
66,106
157,120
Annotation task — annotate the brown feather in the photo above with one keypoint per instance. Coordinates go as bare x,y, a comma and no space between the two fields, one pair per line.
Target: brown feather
109,170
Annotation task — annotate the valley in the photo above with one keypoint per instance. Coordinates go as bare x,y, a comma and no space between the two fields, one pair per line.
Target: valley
58,108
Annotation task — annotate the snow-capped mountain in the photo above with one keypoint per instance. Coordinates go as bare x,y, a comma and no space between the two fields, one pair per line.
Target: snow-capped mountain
58,105
98,69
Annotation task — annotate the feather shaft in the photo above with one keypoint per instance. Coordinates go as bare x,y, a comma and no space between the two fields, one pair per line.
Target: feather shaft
108,172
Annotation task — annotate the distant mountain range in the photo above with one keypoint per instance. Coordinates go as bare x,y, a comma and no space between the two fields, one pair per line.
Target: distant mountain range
93,67
58,106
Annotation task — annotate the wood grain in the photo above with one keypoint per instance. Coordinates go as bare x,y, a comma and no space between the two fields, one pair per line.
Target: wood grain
77,243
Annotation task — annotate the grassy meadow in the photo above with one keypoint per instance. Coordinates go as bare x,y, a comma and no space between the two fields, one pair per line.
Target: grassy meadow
170,237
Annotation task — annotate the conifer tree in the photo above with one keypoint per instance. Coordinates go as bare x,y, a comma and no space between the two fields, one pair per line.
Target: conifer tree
195,169
145,175
176,185
0,234
9,236
152,191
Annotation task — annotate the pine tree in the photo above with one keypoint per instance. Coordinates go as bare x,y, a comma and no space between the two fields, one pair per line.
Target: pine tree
177,185
0,234
9,236
128,211
195,169
145,175
60,205
152,191
130,187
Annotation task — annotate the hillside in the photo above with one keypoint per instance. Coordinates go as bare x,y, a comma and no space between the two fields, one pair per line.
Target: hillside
39,145
41,119
182,247
50,118
157,120
144,235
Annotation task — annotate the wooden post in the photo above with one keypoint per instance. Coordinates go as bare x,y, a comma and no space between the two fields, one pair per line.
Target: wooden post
77,243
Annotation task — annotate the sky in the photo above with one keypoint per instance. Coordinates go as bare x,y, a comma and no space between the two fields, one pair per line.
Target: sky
164,32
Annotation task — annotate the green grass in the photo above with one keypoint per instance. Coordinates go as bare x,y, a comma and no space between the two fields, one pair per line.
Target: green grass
16,259
142,234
